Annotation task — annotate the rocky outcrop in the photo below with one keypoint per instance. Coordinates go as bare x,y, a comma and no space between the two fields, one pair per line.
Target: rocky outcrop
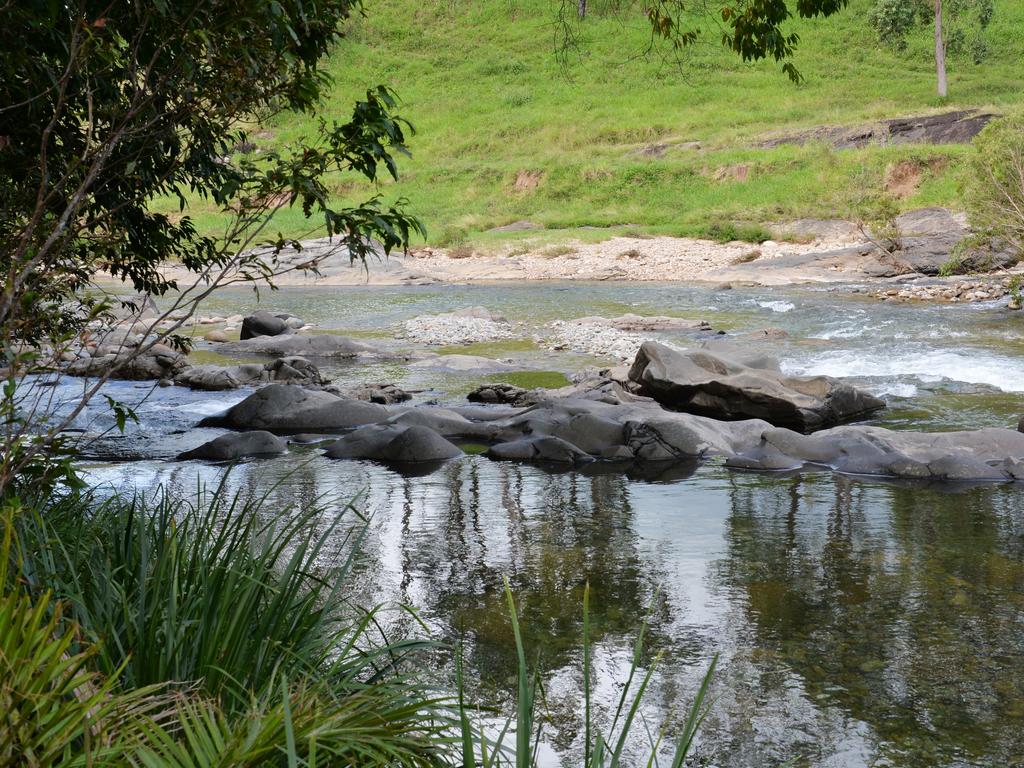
284,370
929,241
581,432
394,443
284,409
236,446
301,345
124,362
383,394
503,394
263,323
723,387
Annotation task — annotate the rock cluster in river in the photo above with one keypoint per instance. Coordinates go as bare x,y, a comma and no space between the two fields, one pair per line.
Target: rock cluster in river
720,382
952,291
283,370
617,338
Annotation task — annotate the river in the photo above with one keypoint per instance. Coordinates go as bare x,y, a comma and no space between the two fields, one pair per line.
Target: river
858,621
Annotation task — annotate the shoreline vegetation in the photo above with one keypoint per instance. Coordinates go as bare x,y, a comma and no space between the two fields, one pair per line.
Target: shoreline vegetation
158,631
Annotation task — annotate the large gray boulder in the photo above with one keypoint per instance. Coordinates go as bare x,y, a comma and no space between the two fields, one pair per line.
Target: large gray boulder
236,446
288,410
394,443
984,454
301,345
709,383
263,323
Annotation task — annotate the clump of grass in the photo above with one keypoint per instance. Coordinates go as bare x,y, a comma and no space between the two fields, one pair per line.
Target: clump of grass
728,231
531,379
162,633
554,251
460,252
749,256
214,590
450,236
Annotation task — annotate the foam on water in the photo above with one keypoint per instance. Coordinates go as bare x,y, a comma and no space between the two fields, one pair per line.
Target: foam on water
927,365
895,389
777,306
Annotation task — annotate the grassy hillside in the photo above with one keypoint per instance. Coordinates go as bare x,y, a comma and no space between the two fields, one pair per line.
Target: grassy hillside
506,132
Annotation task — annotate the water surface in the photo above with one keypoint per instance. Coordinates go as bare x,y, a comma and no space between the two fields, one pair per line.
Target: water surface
859,622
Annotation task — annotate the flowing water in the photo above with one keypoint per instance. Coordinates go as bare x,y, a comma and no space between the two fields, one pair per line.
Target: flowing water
858,622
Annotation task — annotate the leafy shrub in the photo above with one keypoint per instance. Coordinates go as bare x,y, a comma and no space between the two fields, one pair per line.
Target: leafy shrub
994,188
893,20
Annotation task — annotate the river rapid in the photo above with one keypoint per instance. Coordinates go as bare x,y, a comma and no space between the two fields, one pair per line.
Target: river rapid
858,621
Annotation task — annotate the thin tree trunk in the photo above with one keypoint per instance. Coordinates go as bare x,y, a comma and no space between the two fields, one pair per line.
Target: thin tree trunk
581,8
940,51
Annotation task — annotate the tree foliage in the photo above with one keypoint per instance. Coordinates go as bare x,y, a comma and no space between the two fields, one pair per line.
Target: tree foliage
106,105
753,29
963,23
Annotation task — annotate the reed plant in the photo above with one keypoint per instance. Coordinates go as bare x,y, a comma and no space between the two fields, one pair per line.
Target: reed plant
162,632
601,749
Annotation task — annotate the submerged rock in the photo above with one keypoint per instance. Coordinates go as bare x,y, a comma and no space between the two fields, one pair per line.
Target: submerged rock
236,446
984,454
709,383
458,363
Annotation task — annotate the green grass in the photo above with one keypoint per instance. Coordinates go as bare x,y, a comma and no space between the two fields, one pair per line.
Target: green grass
491,105
531,379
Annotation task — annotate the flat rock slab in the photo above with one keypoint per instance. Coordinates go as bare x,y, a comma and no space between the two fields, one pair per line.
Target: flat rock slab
460,363
302,345
709,383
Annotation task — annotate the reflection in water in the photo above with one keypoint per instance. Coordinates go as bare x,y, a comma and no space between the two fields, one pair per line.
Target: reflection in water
903,616
859,623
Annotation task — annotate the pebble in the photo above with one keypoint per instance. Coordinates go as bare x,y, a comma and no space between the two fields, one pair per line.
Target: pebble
952,292
451,330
